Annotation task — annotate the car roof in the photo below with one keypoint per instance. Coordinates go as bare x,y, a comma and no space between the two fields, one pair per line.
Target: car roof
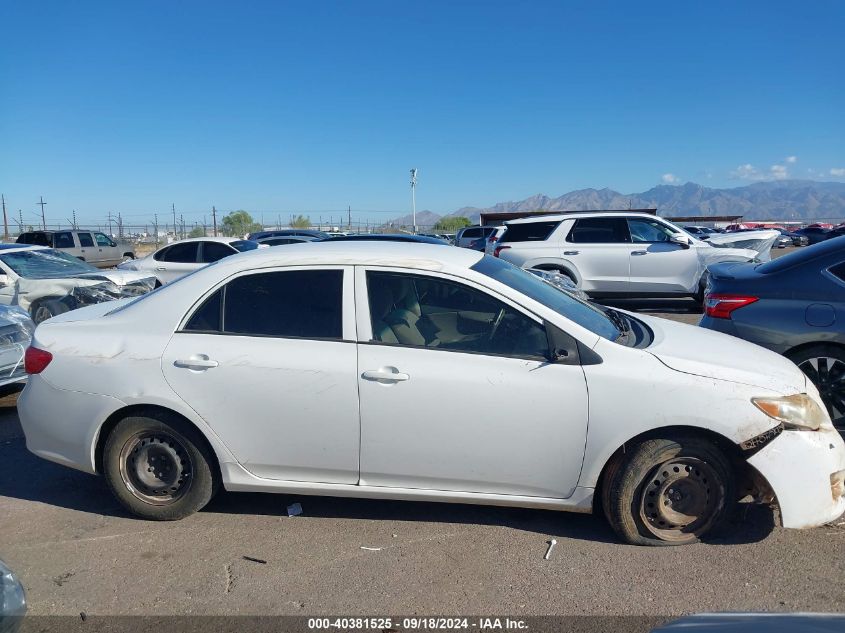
389,237
357,252
559,217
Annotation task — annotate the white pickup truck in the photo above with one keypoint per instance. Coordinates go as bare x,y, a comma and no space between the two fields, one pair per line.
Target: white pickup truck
94,247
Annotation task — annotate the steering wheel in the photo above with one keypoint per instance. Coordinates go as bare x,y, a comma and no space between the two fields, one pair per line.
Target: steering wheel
496,322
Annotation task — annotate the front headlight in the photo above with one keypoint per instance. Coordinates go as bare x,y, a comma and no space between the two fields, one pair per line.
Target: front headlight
799,412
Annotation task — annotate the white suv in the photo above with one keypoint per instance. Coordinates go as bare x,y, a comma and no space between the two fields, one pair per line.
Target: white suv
612,253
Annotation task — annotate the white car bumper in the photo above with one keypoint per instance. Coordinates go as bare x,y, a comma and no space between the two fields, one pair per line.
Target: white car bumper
62,426
805,471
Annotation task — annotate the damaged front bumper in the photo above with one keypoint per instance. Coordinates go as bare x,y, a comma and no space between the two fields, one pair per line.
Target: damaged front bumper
804,471
81,296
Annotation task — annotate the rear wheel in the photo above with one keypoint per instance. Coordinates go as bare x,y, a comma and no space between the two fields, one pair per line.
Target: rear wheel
46,309
668,491
825,366
159,467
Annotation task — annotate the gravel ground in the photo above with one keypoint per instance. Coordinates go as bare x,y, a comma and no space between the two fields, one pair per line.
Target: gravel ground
77,551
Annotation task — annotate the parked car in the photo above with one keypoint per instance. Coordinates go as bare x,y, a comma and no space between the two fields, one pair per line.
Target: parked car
797,239
45,282
288,239
838,231
793,305
289,232
16,328
391,237
465,236
93,247
613,254
12,601
701,232
782,241
179,258
286,370
492,240
814,234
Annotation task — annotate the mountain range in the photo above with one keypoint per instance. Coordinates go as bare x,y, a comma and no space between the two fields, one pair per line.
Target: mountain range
772,200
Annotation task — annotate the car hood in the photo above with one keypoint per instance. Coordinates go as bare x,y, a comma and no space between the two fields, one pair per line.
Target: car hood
119,277
701,352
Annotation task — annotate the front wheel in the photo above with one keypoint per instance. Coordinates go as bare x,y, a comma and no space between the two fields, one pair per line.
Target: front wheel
159,467
668,491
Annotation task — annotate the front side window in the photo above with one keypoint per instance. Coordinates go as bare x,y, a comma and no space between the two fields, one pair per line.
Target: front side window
214,251
184,253
648,231
63,239
290,304
421,311
85,239
599,231
103,240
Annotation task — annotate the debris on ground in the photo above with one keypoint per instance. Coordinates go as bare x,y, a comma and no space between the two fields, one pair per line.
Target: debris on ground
371,549
294,510
552,544
255,560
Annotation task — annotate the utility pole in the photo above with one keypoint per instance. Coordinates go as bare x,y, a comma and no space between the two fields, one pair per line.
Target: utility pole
43,220
173,208
5,220
214,218
74,218
414,197
20,221
119,226
182,222
111,233
155,228
349,218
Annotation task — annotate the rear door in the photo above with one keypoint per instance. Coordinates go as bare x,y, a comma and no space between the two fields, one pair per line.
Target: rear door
657,264
176,260
600,250
87,249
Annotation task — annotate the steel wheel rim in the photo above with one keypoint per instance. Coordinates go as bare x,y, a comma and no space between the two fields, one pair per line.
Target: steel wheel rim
680,499
828,374
156,467
41,314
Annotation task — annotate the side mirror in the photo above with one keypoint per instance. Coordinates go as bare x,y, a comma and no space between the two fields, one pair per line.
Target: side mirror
680,239
4,279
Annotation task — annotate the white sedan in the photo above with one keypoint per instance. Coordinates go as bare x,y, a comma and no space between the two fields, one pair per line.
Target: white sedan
357,369
175,260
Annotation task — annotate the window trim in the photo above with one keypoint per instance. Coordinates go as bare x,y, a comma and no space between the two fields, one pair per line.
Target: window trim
571,230
364,319
348,329
657,221
201,251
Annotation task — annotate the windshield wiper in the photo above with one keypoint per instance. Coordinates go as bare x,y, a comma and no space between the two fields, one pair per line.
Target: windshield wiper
620,321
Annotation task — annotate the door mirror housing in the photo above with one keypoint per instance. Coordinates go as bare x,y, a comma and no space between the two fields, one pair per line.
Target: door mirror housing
565,350
680,239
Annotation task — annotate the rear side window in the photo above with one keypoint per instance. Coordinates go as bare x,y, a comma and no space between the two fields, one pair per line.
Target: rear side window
184,253
301,304
63,239
599,231
838,271
85,239
209,316
469,233
529,231
37,239
214,251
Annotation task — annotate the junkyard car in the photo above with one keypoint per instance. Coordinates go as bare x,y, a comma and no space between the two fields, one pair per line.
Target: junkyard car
175,260
16,328
356,369
46,282
94,247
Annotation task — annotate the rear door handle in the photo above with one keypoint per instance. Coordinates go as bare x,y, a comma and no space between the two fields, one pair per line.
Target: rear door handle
570,252
385,374
161,268
196,363
639,253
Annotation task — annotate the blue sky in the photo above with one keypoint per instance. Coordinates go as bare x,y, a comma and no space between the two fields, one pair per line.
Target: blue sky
313,106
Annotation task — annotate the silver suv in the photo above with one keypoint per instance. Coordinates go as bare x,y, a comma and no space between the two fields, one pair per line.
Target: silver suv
96,248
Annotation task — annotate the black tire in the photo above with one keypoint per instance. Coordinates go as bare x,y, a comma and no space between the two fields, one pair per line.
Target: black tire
159,467
45,309
825,366
668,491
129,255
700,296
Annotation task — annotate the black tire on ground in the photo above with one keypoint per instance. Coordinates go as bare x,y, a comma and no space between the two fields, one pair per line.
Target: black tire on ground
159,467
47,308
668,491
129,255
825,366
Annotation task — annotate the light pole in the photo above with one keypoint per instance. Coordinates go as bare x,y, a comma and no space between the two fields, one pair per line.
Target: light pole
414,197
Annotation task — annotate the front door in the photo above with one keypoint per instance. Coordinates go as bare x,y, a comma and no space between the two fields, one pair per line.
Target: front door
269,362
657,264
456,392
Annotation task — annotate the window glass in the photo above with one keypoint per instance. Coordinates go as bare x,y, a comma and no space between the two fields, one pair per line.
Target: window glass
102,240
45,264
599,231
468,233
37,239
529,231
207,318
214,251
643,230
184,253
244,245
301,303
838,271
63,239
85,239
423,311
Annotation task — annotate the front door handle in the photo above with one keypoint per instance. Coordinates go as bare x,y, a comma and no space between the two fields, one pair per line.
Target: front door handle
639,253
570,252
196,363
385,374
161,268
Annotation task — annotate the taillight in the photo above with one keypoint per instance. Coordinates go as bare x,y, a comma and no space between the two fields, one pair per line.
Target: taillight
36,360
720,306
498,250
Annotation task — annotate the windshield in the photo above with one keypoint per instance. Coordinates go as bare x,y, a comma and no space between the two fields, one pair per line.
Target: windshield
581,312
45,264
244,245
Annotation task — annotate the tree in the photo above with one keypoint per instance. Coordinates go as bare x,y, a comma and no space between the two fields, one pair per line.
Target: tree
300,222
197,231
239,223
452,223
